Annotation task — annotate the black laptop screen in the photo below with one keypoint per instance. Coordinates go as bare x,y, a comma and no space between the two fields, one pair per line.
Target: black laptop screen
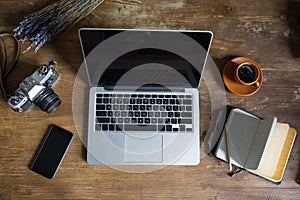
159,65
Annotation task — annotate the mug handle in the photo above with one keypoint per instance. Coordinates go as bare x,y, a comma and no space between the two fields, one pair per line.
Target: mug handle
256,84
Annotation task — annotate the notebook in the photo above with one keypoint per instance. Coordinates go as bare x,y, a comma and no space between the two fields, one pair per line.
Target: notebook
261,146
134,123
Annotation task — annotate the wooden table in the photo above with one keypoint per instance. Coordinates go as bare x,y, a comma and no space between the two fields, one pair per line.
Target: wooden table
266,31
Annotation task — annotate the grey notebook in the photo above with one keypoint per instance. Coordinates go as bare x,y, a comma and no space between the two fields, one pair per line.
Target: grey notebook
248,137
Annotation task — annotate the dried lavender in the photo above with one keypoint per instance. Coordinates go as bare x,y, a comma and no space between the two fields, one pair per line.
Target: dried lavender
40,27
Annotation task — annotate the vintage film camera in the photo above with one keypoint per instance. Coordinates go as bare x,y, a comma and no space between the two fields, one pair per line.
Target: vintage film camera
37,89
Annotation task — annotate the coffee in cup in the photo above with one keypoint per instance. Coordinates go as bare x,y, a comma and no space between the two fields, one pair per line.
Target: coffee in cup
248,74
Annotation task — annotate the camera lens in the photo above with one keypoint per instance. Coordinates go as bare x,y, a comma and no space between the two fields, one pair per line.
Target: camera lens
48,101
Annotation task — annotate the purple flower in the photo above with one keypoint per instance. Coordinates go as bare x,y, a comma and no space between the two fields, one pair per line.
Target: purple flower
41,26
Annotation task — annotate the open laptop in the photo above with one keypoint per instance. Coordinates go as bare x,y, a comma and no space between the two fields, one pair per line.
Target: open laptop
143,98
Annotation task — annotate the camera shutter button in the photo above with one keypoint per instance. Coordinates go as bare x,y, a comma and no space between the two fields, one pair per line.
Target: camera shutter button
43,70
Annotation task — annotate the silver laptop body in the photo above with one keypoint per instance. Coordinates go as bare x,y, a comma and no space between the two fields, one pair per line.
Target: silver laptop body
143,99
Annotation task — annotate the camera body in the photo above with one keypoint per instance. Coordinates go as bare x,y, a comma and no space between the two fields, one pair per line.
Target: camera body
36,89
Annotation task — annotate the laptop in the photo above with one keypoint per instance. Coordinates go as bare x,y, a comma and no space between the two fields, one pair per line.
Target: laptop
143,97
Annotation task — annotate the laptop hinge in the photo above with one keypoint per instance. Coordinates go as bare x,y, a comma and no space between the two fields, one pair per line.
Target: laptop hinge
150,88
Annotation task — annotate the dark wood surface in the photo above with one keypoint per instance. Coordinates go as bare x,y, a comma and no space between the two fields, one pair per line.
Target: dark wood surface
266,31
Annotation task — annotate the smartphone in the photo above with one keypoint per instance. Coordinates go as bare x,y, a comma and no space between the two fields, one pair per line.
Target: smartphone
52,151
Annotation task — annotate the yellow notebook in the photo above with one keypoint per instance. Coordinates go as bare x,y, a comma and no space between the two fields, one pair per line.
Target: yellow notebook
283,159
261,146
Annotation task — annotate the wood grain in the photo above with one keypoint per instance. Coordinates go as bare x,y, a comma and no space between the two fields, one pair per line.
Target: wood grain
266,31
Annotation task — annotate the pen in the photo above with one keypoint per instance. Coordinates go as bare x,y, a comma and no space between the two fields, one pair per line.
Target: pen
228,149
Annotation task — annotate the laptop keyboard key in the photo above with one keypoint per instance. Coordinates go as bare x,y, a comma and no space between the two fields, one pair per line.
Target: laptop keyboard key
101,113
169,108
132,101
104,127
103,120
153,120
130,114
152,101
145,101
123,114
139,101
174,121
99,100
144,114
186,114
188,108
140,120
133,120
187,102
109,113
119,127
120,120
142,107
147,120
186,121
155,108
137,114
164,114
117,113
157,114
119,101
162,128
100,107
170,114
149,107
97,127
169,127
105,100
167,121
113,120
111,127
160,120
182,127
125,101
128,127
150,114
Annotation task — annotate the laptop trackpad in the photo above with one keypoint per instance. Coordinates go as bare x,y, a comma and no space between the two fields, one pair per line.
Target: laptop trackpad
143,150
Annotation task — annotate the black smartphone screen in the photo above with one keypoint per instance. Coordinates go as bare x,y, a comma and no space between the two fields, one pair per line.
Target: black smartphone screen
52,151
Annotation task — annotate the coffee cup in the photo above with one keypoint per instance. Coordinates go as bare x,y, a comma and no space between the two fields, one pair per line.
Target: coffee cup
248,73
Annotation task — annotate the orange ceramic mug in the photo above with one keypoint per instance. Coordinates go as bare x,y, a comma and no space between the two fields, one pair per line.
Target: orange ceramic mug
248,73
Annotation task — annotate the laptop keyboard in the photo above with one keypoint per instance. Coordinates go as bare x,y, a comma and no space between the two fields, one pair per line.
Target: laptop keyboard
143,112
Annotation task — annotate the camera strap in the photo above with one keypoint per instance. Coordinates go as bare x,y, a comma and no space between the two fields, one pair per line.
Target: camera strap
5,66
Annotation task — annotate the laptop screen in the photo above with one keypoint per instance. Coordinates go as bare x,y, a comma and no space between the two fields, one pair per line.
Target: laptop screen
134,57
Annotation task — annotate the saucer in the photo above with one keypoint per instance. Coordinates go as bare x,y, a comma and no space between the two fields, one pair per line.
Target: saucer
230,82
